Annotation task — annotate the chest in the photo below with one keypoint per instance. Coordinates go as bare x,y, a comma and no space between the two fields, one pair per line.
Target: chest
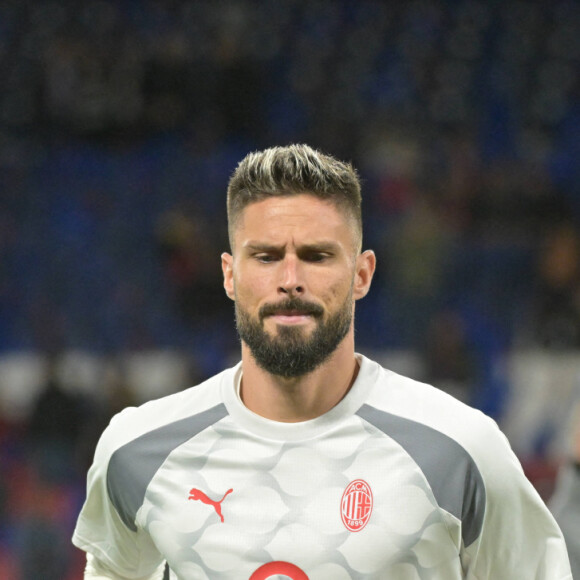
353,505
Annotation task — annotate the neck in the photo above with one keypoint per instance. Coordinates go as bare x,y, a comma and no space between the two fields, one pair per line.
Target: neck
295,399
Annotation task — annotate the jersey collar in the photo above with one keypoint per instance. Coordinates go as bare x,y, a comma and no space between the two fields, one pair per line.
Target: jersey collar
270,429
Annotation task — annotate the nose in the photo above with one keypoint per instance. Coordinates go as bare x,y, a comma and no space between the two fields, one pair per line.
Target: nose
291,276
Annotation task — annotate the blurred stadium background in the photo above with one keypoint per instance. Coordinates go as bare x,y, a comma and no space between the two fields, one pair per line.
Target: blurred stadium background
120,123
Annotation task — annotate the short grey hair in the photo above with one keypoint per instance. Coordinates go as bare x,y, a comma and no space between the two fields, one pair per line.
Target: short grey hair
293,170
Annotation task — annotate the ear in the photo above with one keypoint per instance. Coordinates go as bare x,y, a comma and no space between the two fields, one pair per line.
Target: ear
365,269
228,272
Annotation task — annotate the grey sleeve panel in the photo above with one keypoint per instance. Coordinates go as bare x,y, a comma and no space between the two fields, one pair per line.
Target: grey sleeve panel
132,467
451,472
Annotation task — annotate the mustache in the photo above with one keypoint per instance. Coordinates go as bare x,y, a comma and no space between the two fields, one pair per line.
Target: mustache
291,306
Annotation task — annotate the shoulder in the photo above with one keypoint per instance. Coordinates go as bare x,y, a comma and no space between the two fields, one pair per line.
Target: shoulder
424,406
473,473
441,435
132,423
441,430
139,439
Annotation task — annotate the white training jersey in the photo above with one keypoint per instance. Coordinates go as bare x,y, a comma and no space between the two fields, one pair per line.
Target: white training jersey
399,481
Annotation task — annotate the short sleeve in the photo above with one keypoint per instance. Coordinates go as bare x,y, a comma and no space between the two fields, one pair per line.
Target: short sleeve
519,537
101,531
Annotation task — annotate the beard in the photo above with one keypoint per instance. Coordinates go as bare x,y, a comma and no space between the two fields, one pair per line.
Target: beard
291,352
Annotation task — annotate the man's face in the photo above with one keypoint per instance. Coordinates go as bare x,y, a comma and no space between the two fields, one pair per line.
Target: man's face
294,276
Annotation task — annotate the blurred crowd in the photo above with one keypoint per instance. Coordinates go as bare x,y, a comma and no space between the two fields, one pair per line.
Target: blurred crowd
121,121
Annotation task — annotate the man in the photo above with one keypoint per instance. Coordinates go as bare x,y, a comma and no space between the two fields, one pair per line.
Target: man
306,460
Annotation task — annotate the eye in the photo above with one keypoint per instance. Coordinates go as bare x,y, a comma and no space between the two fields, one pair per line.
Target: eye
316,257
265,258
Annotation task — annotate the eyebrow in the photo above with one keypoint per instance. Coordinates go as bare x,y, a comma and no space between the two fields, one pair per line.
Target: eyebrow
323,246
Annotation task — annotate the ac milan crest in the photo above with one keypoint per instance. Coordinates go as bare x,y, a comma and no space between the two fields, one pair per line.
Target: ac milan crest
356,505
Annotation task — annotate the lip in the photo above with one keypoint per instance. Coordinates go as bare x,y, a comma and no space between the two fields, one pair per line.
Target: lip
291,318
291,312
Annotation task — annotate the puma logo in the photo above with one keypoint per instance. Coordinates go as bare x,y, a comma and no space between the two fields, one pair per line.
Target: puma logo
197,494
